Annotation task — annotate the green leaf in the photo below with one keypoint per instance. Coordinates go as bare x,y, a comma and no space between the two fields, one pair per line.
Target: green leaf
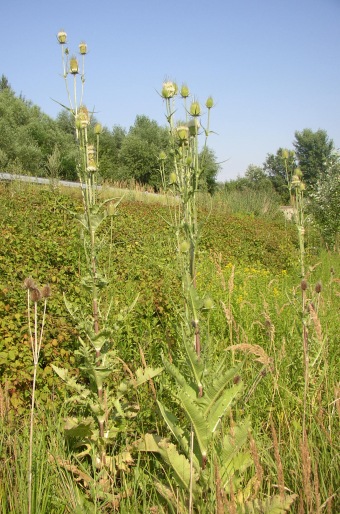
78,429
181,436
88,281
199,423
145,374
229,450
71,308
196,364
172,497
180,380
99,374
179,464
71,382
61,372
98,340
273,505
217,406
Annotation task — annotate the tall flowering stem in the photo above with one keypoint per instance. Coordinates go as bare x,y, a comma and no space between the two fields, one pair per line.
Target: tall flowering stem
184,180
87,139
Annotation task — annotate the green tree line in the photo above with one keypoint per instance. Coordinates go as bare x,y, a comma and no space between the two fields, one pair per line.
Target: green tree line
315,155
36,144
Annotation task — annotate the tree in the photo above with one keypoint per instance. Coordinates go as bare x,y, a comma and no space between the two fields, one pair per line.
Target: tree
257,178
4,84
280,167
210,169
110,147
313,151
139,153
324,201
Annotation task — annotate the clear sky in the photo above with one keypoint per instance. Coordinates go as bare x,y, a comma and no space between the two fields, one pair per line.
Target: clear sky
272,66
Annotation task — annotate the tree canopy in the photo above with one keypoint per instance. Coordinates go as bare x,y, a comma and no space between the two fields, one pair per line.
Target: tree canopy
313,151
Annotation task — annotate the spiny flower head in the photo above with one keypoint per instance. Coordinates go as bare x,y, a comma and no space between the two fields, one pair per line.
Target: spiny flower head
209,103
172,178
194,126
83,118
318,287
169,89
304,284
184,91
295,180
98,129
74,68
62,37
183,133
195,108
91,159
83,48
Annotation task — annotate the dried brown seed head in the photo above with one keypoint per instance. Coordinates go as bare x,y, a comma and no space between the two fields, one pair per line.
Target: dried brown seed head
46,291
318,287
35,295
303,285
29,283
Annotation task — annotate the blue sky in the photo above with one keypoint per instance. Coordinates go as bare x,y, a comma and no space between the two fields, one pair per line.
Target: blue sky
272,66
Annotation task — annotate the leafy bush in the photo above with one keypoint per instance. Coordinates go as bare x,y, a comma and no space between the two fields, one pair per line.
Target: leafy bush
325,201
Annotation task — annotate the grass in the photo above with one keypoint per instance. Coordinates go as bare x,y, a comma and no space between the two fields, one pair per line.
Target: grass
248,268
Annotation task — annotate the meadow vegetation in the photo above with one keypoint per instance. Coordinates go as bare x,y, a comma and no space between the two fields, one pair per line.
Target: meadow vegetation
184,350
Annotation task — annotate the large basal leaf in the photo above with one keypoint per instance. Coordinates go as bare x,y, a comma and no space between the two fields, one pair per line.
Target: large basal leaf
196,364
219,406
179,464
78,429
181,437
273,505
217,383
180,380
229,450
170,494
199,423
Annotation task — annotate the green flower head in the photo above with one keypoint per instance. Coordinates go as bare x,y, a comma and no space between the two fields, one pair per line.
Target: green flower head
74,68
62,37
83,48
195,108
169,89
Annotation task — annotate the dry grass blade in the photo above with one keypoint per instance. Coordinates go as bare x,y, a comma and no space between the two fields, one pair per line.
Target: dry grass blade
278,461
76,472
227,312
316,322
231,281
253,349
